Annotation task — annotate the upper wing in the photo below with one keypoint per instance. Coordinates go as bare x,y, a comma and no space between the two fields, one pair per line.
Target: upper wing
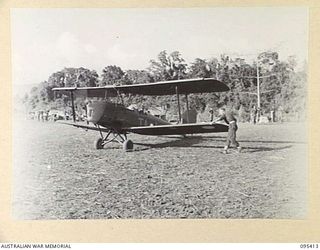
203,85
179,129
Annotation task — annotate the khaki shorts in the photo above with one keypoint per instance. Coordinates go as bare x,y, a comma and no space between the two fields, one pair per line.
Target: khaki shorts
232,134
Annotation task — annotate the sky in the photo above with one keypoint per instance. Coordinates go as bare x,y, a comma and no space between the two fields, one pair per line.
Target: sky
47,40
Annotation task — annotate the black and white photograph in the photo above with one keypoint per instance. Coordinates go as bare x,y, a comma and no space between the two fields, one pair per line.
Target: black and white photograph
159,113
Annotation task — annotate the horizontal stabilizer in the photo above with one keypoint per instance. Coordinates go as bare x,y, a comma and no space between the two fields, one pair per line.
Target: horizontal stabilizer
85,126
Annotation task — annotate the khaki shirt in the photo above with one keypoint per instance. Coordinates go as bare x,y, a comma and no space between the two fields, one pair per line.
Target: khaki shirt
227,117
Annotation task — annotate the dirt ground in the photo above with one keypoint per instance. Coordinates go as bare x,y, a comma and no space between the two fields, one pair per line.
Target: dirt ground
57,174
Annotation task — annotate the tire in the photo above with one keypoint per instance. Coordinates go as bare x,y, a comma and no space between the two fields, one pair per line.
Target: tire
98,143
127,145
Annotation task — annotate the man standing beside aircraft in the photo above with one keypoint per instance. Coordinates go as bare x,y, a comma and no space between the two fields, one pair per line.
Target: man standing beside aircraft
228,117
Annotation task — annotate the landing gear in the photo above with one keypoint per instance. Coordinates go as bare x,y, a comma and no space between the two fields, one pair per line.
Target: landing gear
98,143
127,145
111,136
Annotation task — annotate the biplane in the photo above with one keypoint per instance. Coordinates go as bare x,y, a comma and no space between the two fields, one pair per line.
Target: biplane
114,121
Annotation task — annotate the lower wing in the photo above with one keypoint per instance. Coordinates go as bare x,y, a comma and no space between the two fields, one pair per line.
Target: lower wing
179,129
172,129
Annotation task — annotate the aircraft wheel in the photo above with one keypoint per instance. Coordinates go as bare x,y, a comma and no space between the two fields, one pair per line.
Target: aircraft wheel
98,143
128,145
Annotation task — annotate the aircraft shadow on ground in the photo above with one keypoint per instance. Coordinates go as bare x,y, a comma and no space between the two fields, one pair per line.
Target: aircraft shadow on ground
193,142
179,143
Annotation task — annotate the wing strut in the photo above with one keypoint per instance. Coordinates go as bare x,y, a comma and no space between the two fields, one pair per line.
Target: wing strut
72,103
187,104
178,99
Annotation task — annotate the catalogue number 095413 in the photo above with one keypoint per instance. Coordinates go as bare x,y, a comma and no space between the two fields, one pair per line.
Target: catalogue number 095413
309,246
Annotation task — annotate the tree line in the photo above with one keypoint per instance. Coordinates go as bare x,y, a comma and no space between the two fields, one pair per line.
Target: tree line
282,86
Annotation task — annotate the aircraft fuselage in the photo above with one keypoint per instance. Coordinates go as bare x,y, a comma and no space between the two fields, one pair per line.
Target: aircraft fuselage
117,116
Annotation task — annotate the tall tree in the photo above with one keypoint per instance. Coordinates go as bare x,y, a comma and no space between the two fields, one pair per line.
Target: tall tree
68,77
200,69
168,67
111,75
136,77
86,77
